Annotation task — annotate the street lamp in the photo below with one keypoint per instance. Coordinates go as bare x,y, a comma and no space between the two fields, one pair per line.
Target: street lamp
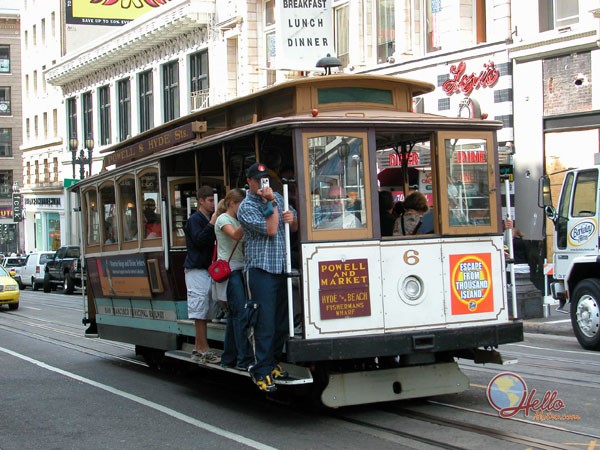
82,159
328,62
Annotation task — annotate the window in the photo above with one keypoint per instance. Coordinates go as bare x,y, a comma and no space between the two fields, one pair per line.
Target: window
467,183
45,124
34,77
150,201
55,122
5,109
92,219
28,128
128,209
556,14
34,35
269,12
53,23
342,34
199,80
108,214
5,142
146,100
88,115
433,37
55,167
124,111
6,182
104,113
170,91
43,30
271,53
72,118
4,59
337,166
386,24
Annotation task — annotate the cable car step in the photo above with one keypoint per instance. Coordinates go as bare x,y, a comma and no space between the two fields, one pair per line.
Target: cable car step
297,374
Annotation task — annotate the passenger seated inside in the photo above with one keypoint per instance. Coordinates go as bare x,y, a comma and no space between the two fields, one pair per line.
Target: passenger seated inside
151,220
411,220
386,216
333,213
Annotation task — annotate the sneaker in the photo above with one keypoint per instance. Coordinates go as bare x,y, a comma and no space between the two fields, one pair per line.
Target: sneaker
279,372
196,356
218,316
265,383
209,358
224,318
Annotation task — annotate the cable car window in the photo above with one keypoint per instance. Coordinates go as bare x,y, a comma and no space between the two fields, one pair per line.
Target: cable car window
93,230
108,216
336,167
128,210
150,200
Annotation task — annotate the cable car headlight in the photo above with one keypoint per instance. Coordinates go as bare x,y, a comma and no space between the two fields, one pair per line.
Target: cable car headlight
411,290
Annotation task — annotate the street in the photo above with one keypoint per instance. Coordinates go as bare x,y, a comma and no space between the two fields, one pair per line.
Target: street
63,390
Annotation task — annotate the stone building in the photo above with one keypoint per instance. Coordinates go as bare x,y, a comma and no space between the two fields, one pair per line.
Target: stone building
11,236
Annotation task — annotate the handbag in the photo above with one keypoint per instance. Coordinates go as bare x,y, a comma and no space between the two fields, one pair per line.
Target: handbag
219,270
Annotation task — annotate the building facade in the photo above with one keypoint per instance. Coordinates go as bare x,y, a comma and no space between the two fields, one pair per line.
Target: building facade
11,233
527,64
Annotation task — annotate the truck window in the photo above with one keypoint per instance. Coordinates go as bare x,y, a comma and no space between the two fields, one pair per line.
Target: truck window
586,189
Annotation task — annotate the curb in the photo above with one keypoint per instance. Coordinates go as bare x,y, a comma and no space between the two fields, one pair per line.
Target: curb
546,328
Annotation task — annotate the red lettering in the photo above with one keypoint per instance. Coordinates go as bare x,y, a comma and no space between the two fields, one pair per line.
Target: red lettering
467,83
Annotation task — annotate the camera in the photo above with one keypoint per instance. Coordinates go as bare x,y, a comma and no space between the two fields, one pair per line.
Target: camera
264,182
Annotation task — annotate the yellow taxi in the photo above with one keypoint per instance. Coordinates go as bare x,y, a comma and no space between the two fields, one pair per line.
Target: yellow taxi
9,290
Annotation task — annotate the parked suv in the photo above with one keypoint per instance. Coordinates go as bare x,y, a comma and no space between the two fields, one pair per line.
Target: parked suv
64,269
32,273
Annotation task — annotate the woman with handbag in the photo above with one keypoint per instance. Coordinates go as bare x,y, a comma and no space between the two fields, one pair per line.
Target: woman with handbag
231,293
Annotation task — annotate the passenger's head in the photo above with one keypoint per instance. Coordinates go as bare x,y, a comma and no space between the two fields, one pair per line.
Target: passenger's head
231,201
206,200
386,201
335,192
417,202
254,173
149,205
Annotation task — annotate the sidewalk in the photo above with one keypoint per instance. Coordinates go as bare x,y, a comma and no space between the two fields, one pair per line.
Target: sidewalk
557,323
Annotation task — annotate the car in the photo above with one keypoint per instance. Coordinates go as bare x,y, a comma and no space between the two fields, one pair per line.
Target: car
9,290
14,262
32,273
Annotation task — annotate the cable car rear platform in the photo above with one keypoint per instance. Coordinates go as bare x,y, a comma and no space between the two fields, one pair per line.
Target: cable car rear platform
297,374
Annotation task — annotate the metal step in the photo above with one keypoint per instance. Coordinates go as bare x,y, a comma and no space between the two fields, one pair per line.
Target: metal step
298,375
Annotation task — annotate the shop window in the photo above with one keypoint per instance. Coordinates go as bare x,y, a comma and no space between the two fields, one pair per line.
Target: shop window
109,222
150,201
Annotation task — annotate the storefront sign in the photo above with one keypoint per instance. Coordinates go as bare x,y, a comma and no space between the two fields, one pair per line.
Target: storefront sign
471,282
461,82
154,144
304,33
395,159
17,208
6,212
344,289
42,201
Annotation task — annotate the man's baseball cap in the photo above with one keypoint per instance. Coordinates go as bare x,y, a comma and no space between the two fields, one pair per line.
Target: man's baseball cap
257,170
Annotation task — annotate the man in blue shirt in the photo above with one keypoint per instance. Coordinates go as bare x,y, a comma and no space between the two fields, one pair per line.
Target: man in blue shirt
262,218
200,243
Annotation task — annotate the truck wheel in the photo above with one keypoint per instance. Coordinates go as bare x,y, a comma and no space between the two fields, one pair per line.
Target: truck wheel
69,286
47,286
585,313
34,285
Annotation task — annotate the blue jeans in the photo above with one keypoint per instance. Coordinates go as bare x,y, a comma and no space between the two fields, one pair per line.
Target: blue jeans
269,292
236,348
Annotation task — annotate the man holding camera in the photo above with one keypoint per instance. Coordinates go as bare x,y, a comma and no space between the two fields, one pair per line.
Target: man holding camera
262,218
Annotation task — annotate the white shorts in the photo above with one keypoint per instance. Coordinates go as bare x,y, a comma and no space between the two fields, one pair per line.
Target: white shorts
199,298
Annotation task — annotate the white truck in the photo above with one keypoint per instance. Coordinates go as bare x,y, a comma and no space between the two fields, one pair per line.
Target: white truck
576,249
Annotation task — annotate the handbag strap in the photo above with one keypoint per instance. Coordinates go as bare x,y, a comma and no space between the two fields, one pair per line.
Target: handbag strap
214,258
233,251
